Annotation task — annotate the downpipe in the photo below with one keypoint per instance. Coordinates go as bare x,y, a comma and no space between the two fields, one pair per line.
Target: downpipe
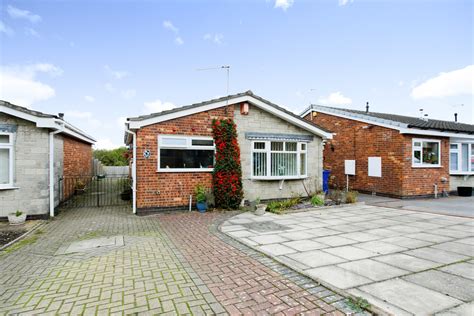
134,169
51,166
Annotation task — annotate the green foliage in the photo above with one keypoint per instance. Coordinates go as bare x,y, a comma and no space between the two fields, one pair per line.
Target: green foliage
113,157
200,192
316,200
336,195
278,207
359,303
18,213
351,197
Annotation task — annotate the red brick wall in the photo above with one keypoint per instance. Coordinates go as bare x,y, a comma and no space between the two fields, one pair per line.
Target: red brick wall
77,157
171,189
354,141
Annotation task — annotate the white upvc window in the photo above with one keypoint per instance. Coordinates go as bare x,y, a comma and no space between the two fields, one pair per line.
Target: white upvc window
6,160
279,160
178,153
426,153
461,158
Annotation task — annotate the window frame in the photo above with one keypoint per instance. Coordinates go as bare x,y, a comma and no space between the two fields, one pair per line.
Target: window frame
421,164
188,146
458,151
10,147
269,151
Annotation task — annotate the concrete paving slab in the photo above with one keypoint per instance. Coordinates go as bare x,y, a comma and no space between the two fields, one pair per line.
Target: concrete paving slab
436,255
409,243
383,232
453,233
380,247
446,283
304,245
429,237
361,236
338,277
335,241
468,241
315,258
381,304
373,270
407,262
240,233
410,297
297,235
350,252
463,249
466,309
276,249
322,231
463,269
268,239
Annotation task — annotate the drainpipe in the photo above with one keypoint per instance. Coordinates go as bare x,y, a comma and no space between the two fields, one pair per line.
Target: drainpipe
134,169
51,166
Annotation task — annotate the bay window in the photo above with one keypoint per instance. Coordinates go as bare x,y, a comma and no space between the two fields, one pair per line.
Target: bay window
279,160
461,158
6,160
185,153
426,153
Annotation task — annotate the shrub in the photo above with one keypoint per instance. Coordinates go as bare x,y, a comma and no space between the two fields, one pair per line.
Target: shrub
18,213
112,157
336,195
200,191
278,207
316,200
227,175
351,197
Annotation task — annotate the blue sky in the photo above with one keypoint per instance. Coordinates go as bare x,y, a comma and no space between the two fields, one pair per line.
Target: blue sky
101,61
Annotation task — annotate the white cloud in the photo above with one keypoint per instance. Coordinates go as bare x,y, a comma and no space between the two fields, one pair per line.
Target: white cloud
283,4
179,41
215,38
453,83
16,13
31,32
19,84
117,74
345,2
86,116
169,26
335,98
5,29
105,143
157,106
128,94
89,98
109,87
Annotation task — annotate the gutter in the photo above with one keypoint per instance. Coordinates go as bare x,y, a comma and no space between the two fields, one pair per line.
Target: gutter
51,165
134,168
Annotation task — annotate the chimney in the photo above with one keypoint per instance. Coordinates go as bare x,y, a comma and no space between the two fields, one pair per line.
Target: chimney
455,117
61,116
367,107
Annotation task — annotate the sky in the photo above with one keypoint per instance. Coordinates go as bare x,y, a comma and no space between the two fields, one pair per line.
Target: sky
102,61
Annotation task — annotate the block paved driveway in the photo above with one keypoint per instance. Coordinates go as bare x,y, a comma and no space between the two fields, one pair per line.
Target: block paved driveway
402,262
108,261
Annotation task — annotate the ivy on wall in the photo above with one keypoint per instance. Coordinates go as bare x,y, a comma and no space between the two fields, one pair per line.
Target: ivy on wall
227,175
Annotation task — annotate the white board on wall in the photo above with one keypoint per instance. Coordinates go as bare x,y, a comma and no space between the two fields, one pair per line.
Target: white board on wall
375,167
350,167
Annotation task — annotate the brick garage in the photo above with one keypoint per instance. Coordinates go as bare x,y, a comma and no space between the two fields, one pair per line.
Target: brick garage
358,136
77,157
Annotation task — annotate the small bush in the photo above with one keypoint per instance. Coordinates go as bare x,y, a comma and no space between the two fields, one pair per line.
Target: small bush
337,196
18,213
316,200
200,191
278,207
351,197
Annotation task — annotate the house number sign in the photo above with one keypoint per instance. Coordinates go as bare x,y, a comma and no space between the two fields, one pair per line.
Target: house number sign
146,153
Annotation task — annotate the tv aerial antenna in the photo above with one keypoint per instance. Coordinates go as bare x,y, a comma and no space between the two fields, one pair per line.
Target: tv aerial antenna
227,69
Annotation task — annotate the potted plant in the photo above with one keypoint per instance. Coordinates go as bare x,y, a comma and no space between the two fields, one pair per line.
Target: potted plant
79,187
17,218
201,198
259,207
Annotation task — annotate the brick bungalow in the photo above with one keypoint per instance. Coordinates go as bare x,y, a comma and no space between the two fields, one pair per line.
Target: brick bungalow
174,151
30,143
395,155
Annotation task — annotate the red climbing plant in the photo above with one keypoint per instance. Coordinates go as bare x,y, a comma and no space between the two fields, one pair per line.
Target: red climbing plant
227,175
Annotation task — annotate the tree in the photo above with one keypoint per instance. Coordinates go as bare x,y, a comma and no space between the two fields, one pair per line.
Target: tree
112,157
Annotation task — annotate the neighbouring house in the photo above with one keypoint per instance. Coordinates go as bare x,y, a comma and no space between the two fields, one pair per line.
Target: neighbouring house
395,155
173,151
31,143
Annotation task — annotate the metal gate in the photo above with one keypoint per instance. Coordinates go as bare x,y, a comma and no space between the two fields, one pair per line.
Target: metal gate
94,191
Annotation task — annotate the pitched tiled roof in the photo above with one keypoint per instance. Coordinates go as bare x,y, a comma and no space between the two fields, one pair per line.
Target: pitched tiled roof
411,122
26,110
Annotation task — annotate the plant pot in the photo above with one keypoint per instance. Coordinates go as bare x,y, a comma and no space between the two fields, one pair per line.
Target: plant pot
201,206
260,209
465,191
126,195
16,220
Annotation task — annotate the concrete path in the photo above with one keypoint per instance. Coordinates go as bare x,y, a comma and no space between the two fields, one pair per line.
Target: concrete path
453,205
402,262
101,261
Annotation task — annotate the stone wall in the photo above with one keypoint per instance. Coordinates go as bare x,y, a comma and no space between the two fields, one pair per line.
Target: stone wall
31,170
263,122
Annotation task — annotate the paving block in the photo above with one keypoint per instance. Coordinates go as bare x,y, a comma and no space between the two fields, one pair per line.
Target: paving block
373,270
350,252
338,277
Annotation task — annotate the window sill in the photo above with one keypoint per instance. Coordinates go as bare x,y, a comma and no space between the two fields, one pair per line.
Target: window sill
9,188
278,178
426,166
185,170
461,173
